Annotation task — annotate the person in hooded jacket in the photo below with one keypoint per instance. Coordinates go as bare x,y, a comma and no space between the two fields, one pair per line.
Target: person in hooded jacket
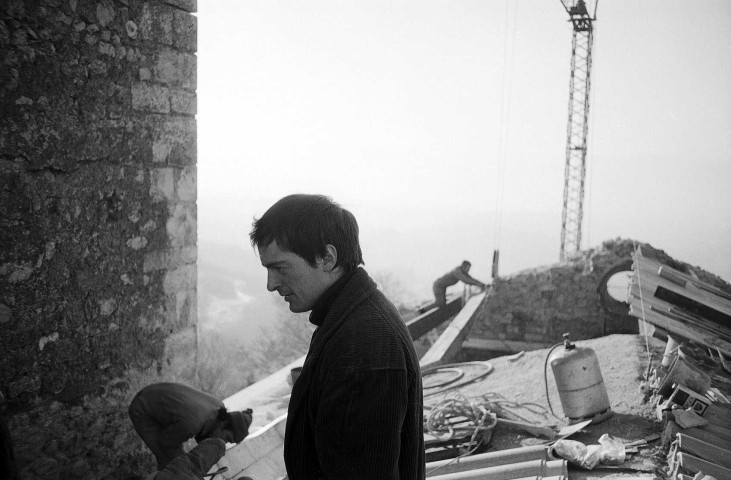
166,415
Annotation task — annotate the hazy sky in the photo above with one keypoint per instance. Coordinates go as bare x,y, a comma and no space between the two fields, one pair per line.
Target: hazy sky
442,126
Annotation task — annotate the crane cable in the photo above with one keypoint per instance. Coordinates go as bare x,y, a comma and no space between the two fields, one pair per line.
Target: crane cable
592,134
642,309
507,75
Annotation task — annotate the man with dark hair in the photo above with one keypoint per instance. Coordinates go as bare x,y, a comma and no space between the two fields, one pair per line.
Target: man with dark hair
459,273
165,415
356,409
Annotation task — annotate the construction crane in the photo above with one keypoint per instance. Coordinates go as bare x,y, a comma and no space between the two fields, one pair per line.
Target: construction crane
578,126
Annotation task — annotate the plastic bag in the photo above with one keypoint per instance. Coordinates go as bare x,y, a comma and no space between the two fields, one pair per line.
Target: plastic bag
612,451
609,451
578,453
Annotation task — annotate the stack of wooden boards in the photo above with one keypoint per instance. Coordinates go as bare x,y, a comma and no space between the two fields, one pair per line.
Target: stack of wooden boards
681,305
704,448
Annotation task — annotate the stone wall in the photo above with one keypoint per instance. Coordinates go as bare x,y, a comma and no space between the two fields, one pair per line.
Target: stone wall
97,224
542,304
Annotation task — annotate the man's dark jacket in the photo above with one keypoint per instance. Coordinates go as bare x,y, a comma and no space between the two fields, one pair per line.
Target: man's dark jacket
356,411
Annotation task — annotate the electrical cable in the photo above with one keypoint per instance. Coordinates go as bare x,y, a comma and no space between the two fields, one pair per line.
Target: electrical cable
453,366
458,410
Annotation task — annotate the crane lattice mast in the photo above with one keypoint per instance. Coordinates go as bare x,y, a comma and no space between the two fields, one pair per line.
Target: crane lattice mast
578,126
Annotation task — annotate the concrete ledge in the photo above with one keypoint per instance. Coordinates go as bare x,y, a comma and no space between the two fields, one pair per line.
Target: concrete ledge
420,325
450,342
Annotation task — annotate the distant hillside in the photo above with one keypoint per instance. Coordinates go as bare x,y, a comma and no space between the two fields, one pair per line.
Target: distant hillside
232,293
246,331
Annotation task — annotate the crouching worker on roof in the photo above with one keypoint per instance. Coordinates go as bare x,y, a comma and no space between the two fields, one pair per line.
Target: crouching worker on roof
166,415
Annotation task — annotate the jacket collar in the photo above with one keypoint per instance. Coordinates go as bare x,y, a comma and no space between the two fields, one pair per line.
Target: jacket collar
319,312
355,291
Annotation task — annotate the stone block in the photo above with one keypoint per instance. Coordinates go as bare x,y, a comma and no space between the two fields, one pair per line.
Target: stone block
156,24
162,184
150,97
186,188
176,311
189,254
185,28
182,225
183,102
179,357
180,134
170,259
174,68
186,5
160,151
179,279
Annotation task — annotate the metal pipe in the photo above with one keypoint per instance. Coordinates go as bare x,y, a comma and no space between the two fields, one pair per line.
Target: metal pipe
530,469
489,459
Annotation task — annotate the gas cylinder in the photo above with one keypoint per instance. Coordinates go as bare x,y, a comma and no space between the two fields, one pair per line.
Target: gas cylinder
580,383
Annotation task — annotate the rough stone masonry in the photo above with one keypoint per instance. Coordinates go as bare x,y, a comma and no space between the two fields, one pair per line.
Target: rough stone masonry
97,224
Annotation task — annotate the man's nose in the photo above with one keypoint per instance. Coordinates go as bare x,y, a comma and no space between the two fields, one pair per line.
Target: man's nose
272,281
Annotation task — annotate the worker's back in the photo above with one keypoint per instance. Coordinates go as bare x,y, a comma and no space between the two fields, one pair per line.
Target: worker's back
448,279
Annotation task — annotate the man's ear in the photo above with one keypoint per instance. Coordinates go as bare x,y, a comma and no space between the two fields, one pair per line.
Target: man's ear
330,258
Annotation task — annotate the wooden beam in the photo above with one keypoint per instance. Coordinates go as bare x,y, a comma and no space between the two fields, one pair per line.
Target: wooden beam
680,329
267,397
693,306
686,325
259,455
695,465
680,278
450,342
496,345
648,270
420,325
672,429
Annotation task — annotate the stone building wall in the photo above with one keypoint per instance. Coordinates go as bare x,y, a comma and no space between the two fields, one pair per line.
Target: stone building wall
540,305
97,224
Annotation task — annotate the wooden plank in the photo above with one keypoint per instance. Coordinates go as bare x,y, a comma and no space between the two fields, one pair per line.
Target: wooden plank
689,319
693,306
672,275
420,325
268,397
672,429
704,450
695,465
719,414
495,345
648,270
680,329
450,342
639,296
259,454
681,278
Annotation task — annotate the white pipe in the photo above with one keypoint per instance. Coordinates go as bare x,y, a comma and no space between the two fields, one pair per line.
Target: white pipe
530,469
489,459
